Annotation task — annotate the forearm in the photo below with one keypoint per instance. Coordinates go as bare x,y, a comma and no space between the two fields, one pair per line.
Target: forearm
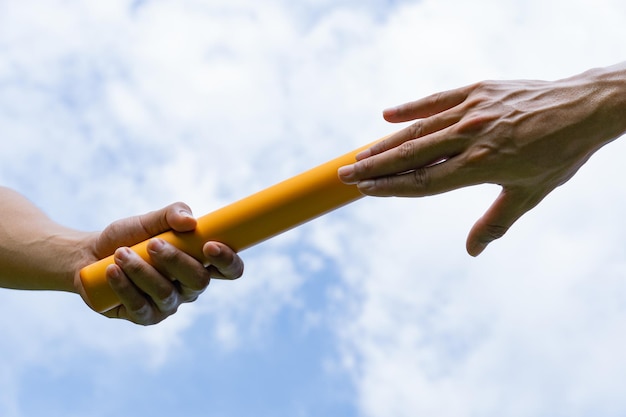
35,252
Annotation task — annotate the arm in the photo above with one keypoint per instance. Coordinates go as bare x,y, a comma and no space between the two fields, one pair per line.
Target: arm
39,254
527,136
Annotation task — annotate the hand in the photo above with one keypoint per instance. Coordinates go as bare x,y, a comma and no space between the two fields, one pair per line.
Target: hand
149,294
527,136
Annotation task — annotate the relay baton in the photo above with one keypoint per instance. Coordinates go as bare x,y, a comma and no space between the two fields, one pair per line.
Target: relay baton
243,223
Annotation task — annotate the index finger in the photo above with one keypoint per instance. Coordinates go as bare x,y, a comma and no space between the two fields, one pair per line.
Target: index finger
131,230
427,106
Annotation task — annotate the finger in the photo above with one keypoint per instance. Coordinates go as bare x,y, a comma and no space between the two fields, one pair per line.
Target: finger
428,180
134,305
508,207
427,106
178,216
419,129
156,287
407,157
176,265
224,262
129,231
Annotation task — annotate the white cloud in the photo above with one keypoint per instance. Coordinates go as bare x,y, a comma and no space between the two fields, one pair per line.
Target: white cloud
122,109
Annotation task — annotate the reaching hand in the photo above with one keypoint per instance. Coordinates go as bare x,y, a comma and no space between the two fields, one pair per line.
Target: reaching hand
527,136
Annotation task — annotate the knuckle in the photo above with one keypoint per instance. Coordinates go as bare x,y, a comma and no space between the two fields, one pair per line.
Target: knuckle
188,297
437,98
192,296
232,271
479,154
236,270
494,231
473,125
151,223
201,281
166,295
363,167
407,151
190,293
483,86
141,315
387,186
170,302
420,178
416,129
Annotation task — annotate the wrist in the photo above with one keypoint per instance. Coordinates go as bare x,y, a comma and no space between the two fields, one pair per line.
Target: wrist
608,86
74,251
47,261
37,253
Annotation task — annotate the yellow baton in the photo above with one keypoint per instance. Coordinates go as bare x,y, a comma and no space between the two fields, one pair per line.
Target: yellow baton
244,223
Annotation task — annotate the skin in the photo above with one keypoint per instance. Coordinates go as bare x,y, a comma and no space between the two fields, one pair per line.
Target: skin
37,253
527,136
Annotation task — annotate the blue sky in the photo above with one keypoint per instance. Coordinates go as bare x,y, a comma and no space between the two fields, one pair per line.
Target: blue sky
110,109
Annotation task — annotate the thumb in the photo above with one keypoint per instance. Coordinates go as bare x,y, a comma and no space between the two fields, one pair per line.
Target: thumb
509,206
132,230
178,217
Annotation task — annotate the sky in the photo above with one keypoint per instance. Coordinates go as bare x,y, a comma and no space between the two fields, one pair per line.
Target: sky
111,109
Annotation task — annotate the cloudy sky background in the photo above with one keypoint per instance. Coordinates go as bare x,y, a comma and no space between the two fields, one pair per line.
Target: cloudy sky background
110,109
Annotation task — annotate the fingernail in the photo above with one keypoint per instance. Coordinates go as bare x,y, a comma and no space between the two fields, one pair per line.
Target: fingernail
345,171
213,250
123,254
156,245
366,185
363,154
391,111
113,271
185,213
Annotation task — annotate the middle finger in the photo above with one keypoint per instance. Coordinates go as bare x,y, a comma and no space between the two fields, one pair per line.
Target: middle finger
177,265
408,156
148,280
